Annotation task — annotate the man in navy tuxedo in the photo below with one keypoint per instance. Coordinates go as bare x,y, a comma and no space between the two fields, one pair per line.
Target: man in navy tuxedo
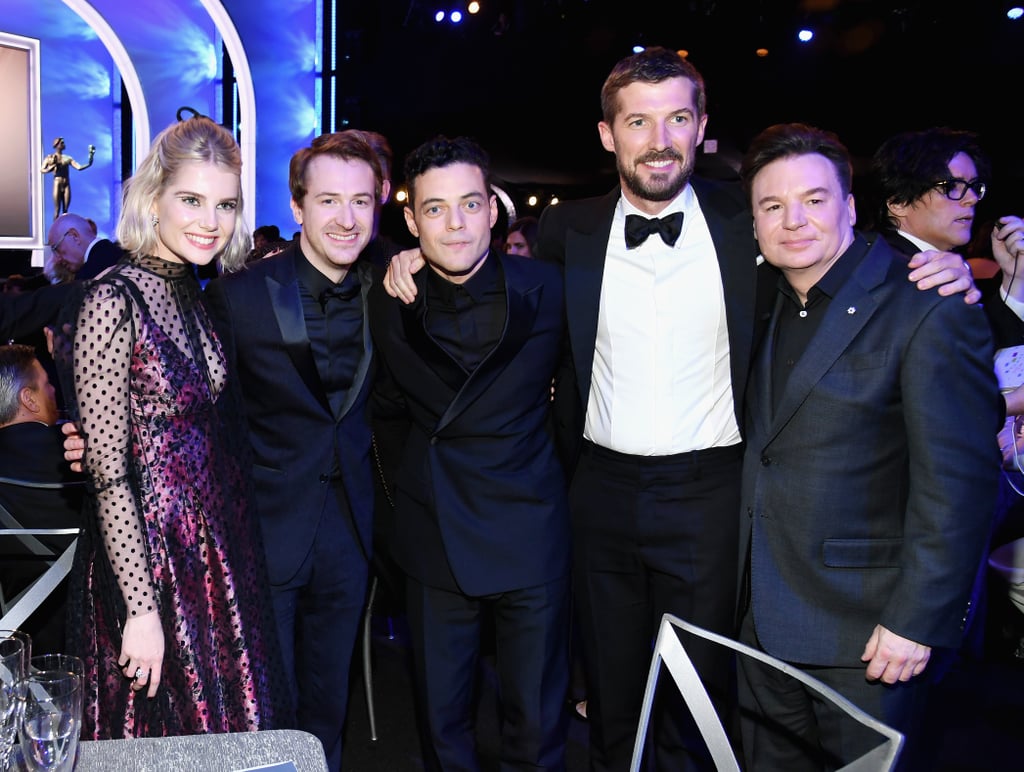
296,330
480,503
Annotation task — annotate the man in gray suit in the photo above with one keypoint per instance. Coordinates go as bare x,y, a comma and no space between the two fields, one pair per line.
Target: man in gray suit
870,469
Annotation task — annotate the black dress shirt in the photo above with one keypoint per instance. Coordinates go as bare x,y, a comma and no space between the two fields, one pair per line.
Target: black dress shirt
798,322
467,319
334,323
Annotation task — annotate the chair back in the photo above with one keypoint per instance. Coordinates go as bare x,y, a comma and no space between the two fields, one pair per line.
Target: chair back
669,651
16,610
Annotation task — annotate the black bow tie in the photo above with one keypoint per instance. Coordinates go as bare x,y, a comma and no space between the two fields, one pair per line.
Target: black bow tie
344,291
639,228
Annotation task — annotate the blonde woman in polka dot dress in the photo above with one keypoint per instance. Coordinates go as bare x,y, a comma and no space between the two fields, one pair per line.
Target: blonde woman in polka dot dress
175,627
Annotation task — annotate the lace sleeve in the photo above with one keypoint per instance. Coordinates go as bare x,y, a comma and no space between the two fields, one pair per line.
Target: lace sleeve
103,344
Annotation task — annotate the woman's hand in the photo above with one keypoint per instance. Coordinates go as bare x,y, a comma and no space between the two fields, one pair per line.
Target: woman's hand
142,651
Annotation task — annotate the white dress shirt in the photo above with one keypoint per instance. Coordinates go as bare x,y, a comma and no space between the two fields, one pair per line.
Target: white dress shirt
661,380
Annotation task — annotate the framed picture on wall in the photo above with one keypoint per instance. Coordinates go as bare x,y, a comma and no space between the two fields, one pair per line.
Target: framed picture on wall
21,215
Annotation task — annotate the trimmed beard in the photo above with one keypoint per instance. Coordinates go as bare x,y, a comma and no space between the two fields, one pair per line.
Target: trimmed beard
655,189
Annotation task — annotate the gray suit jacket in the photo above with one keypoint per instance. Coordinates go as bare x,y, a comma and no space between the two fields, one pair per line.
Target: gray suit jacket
868,495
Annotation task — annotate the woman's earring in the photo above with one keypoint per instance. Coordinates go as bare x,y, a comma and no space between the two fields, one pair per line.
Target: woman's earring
155,219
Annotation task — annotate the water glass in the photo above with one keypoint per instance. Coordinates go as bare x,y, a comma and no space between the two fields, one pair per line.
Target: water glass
63,662
52,721
12,691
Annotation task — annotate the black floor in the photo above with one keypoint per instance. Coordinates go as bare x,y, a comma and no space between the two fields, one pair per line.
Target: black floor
976,713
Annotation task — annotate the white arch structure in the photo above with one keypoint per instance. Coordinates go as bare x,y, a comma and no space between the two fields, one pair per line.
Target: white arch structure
140,113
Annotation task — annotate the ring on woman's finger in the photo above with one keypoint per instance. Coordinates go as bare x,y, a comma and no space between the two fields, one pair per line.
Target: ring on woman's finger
138,674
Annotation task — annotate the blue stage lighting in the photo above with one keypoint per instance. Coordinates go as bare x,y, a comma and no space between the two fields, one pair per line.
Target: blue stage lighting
1015,13
439,17
805,35
455,17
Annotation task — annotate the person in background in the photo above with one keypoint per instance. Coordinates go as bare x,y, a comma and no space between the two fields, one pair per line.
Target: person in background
78,251
170,599
521,238
929,184
31,451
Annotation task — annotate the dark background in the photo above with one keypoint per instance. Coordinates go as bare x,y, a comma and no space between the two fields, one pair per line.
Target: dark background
523,77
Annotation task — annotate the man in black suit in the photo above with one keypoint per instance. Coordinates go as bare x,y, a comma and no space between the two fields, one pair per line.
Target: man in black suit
482,522
870,473
296,331
31,451
79,253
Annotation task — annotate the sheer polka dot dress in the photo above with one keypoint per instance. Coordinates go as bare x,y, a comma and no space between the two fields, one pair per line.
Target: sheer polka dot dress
173,531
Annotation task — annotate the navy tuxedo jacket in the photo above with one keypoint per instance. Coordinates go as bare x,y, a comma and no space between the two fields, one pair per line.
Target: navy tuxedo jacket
480,500
296,438
868,495
575,234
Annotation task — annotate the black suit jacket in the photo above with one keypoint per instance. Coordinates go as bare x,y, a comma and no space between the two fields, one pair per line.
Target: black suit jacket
26,314
1007,328
103,254
296,438
480,495
575,234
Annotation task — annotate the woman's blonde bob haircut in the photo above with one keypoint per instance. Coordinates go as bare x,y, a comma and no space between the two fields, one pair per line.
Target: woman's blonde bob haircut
195,139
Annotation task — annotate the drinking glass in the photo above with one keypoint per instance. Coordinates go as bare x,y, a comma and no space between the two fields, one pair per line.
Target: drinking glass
12,692
52,720
64,662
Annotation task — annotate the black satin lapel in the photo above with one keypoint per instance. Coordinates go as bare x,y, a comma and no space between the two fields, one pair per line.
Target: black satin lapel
521,311
584,271
365,282
287,305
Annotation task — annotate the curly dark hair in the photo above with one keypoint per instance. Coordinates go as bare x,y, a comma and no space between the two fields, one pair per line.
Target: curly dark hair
440,152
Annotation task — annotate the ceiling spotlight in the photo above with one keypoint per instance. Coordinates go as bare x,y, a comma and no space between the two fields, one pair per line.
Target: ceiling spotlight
1015,13
532,201
804,35
401,195
637,49
473,7
455,17
762,52
439,17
